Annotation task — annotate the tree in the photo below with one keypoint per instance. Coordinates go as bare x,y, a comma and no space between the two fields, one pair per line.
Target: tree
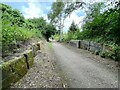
40,24
56,16
93,10
93,18
13,29
72,6
13,16
37,23
103,26
49,31
60,11
73,27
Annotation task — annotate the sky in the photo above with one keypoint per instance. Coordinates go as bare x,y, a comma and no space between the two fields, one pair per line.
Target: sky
40,8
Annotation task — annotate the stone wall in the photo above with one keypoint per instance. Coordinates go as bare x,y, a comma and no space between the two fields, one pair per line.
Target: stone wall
97,48
74,43
84,45
15,69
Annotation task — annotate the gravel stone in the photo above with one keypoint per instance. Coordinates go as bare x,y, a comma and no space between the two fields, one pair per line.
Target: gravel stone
43,74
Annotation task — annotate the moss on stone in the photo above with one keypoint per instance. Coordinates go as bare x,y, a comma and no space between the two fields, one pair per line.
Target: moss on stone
6,69
34,49
30,58
9,80
20,66
15,69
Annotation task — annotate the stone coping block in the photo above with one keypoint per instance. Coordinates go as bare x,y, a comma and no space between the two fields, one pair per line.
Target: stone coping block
15,69
84,44
74,43
29,58
35,48
97,48
20,66
38,44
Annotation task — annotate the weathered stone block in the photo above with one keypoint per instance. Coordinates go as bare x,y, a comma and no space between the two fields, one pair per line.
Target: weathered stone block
15,69
6,69
29,58
9,80
74,43
8,74
84,45
20,66
95,47
35,48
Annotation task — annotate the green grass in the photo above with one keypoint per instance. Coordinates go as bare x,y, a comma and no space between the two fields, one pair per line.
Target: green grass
50,45
11,35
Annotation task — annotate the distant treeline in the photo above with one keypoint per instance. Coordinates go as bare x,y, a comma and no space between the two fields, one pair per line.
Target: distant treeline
16,28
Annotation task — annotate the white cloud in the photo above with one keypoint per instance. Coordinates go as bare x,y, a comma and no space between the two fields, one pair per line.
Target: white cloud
37,10
77,19
33,10
73,17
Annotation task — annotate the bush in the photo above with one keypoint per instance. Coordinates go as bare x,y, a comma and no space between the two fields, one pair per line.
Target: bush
14,28
13,34
56,37
113,53
71,35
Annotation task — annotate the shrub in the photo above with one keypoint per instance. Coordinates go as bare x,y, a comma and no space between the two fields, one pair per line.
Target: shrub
13,34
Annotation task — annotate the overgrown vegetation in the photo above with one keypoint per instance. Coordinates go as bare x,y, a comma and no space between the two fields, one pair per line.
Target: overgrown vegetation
15,28
103,27
101,24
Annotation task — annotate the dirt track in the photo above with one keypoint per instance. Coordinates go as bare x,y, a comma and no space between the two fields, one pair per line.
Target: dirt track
85,71
44,72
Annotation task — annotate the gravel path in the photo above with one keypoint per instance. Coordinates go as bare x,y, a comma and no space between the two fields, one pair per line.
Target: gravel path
85,70
43,74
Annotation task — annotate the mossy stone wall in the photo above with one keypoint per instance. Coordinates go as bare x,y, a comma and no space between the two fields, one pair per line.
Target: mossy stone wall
97,48
15,69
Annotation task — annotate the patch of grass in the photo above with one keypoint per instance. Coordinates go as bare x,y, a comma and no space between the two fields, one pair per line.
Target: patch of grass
50,45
